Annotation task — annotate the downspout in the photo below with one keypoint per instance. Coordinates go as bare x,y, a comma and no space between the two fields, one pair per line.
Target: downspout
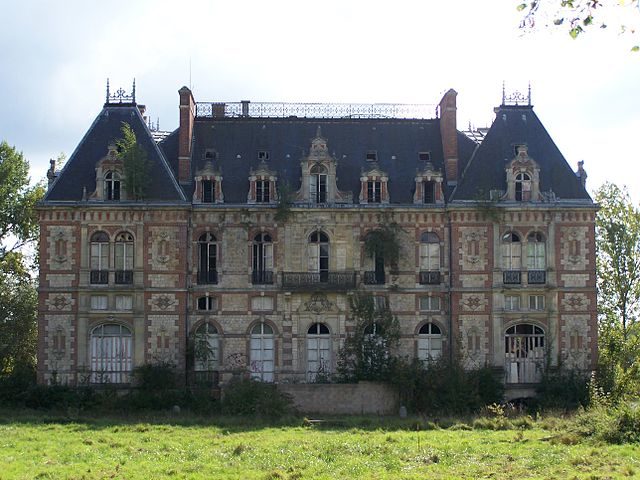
449,235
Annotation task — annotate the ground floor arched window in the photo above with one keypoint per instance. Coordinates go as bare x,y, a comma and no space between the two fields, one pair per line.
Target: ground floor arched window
262,354
429,342
524,347
318,352
111,353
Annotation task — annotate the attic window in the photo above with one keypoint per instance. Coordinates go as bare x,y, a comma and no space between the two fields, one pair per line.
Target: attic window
516,147
372,156
209,154
424,156
263,155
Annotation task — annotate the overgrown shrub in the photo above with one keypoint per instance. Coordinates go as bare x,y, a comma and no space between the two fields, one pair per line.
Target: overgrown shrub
250,397
563,388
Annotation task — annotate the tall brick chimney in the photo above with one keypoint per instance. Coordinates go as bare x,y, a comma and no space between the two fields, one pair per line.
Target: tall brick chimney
449,135
187,115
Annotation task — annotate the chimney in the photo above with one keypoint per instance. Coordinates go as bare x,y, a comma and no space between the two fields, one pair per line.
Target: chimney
187,115
449,135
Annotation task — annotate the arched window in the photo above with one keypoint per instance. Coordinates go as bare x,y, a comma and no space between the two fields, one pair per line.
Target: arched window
206,348
429,258
511,251
208,257
523,187
112,186
111,355
99,258
318,184
318,352
262,358
319,255
429,342
524,353
262,260
124,258
536,259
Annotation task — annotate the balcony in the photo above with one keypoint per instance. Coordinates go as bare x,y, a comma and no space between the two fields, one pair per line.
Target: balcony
337,281
512,277
124,277
208,277
262,277
374,278
99,277
536,277
430,277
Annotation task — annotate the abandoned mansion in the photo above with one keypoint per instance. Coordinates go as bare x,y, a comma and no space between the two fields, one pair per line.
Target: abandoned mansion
250,238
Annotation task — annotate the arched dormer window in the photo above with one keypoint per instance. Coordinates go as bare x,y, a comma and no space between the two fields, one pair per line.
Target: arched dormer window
318,184
523,177
523,187
319,254
112,182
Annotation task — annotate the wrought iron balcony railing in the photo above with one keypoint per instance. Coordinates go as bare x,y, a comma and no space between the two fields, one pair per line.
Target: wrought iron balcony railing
99,277
537,277
208,277
512,277
262,277
430,277
374,278
203,378
124,277
319,280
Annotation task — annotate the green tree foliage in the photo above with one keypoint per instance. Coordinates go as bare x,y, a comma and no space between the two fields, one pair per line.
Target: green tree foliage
368,353
385,242
618,267
135,164
579,15
18,234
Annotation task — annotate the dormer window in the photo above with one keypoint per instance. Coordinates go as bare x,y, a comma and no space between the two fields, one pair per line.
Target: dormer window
263,155
428,189
262,191
262,184
429,192
372,156
523,187
424,156
374,191
208,189
318,184
209,154
112,186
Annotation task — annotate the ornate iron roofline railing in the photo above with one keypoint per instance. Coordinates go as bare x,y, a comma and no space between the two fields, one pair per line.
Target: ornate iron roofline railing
314,110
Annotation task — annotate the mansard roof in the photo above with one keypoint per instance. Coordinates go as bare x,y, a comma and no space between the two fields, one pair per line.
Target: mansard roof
79,172
396,142
516,125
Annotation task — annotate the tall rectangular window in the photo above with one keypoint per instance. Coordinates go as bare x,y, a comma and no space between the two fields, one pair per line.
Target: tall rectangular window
512,302
262,191
208,191
374,191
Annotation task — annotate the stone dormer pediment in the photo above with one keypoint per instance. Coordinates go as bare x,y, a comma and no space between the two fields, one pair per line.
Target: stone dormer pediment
109,169
428,187
208,184
374,185
262,184
523,177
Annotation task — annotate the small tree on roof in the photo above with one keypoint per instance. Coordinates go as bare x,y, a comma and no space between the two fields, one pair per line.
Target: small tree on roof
135,165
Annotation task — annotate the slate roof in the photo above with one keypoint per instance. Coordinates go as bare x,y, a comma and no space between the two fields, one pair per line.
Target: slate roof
79,171
396,141
517,125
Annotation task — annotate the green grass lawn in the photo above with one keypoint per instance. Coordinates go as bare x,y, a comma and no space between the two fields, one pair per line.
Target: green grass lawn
38,445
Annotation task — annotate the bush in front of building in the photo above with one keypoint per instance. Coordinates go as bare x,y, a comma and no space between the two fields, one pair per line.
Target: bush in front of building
250,397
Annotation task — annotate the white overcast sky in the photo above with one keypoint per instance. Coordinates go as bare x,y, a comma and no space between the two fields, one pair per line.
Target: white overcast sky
55,58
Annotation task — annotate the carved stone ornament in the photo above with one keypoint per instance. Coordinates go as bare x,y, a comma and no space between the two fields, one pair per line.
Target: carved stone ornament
163,302
60,302
318,303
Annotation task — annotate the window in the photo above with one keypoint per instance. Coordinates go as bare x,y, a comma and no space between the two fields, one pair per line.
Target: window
263,155
261,360
207,303
429,342
318,184
262,260
99,302
429,252
523,187
372,156
536,302
208,250
319,254
576,341
261,304
206,347
424,156
380,303
536,252
318,352
262,191
209,154
430,304
512,302
429,192
99,258
112,186
208,191
111,356
124,302
511,251
524,353
374,191
124,258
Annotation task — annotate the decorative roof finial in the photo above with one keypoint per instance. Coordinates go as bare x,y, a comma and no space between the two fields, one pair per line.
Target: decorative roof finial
133,93
319,132
107,90
529,93
504,95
